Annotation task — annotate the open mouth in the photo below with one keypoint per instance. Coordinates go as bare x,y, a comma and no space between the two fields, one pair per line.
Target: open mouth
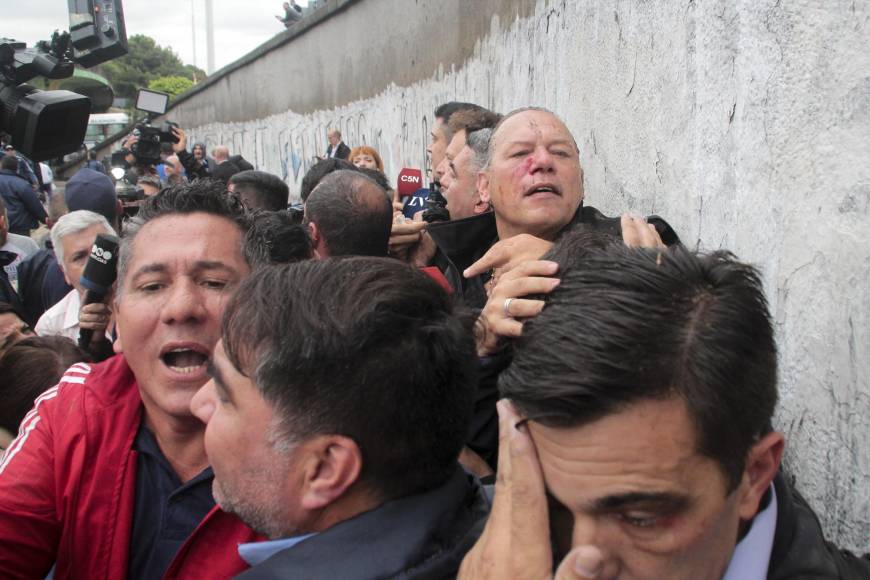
184,360
544,188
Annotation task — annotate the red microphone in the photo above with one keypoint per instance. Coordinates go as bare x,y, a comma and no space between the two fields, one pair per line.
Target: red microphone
410,180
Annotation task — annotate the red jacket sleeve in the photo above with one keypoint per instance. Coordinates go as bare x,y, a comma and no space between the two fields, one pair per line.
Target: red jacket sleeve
29,523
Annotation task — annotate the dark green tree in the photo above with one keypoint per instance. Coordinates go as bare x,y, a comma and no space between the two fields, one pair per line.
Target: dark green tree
145,61
173,86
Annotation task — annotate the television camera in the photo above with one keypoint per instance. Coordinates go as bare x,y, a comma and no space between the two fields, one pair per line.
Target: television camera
47,124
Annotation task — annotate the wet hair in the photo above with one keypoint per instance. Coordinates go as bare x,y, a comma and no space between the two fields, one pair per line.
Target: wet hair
630,325
30,367
385,358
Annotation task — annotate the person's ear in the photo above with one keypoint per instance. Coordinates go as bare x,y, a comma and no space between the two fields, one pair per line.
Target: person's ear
762,465
480,206
117,346
483,187
334,464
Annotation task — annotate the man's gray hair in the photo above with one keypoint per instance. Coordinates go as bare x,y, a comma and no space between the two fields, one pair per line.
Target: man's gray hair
73,223
478,142
488,156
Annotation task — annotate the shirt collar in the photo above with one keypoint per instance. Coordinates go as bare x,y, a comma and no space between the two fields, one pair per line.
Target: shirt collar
71,316
752,555
255,553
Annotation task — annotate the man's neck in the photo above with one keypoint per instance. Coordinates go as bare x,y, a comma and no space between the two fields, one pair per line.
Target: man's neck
348,506
180,441
506,231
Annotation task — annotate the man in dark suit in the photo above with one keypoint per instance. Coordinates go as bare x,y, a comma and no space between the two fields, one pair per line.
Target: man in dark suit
643,445
348,468
336,147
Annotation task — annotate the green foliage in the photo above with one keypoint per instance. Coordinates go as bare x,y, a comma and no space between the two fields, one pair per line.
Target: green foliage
144,62
174,85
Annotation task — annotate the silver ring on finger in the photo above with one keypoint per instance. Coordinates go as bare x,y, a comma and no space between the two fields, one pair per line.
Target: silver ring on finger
507,307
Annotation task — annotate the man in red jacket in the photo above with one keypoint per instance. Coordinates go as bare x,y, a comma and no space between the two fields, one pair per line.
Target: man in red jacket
108,475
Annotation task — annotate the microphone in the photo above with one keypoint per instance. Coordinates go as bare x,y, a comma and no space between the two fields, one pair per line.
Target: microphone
100,273
410,180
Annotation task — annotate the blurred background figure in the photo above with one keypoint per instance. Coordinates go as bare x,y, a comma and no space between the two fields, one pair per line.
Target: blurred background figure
368,157
30,367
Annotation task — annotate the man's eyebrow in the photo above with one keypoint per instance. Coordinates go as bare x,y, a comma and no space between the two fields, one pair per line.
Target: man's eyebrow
158,268
151,269
528,143
211,265
660,500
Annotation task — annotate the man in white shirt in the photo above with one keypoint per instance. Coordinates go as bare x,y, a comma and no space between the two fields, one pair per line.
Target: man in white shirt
72,237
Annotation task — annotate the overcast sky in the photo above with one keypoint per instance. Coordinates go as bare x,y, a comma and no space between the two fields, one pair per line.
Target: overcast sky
240,25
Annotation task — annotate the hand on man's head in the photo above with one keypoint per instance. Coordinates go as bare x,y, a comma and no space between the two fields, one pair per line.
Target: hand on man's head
516,540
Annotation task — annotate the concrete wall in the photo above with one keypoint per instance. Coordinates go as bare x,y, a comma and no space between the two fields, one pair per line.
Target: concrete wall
746,124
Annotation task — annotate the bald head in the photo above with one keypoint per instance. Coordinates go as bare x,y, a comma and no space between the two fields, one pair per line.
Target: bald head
221,153
349,215
532,177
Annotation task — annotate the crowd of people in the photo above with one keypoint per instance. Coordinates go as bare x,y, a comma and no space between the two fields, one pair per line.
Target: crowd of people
505,384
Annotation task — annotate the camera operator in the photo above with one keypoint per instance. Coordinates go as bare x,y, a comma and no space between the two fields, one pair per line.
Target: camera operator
136,168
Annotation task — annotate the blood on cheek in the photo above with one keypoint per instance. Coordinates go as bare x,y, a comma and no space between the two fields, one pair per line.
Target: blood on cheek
524,168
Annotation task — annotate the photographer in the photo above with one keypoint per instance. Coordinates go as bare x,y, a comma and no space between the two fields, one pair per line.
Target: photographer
138,164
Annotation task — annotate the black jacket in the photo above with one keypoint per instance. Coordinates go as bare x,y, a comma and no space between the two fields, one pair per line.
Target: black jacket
463,242
800,551
23,207
423,536
343,151
41,284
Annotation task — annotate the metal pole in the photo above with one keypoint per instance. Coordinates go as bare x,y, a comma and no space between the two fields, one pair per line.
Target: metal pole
209,34
193,28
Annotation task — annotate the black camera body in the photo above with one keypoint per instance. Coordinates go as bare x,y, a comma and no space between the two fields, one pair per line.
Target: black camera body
436,205
46,124
147,148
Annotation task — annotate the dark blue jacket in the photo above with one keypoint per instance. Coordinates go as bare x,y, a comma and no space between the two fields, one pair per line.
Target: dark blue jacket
23,207
419,536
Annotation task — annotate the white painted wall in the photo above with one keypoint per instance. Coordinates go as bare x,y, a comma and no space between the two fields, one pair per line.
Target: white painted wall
745,123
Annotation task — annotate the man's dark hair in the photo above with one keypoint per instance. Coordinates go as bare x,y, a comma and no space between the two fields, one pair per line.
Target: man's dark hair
376,176
199,196
9,163
352,213
275,238
629,325
384,358
29,368
320,170
240,162
445,111
92,154
471,120
6,308
264,190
